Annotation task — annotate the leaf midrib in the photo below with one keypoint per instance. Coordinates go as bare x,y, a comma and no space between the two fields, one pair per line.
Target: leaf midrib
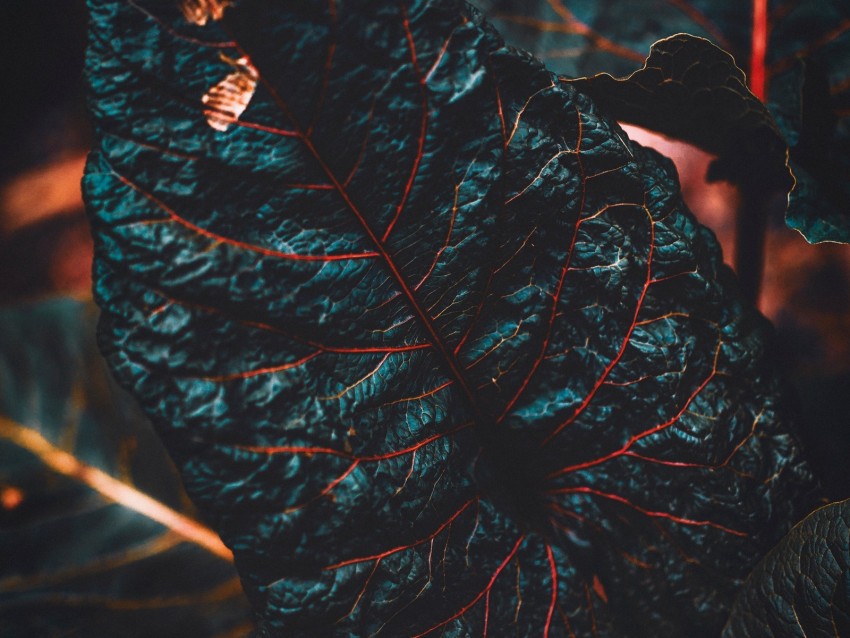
433,335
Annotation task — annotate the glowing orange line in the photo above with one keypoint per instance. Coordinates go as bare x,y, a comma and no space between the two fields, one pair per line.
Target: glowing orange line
423,128
292,449
111,488
758,73
553,570
501,113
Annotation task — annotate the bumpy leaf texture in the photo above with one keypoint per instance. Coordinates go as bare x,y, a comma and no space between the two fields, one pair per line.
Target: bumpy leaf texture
437,348
796,54
802,587
86,549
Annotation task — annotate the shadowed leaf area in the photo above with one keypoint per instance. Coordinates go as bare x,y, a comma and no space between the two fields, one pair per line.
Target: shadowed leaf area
437,349
81,553
803,77
801,586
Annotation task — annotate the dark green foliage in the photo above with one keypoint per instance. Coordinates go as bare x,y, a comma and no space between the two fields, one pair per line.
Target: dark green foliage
75,562
437,349
802,587
807,73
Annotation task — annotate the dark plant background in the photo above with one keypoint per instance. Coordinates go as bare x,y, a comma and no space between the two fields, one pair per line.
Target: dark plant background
45,252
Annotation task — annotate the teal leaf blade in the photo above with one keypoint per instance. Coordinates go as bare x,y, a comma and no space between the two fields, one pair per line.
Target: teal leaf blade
435,346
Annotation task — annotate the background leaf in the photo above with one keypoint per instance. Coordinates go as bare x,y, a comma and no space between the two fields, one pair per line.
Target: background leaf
805,69
81,551
801,586
436,348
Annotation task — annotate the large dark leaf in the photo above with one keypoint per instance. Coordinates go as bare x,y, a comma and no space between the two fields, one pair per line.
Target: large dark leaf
802,587
803,75
86,548
437,349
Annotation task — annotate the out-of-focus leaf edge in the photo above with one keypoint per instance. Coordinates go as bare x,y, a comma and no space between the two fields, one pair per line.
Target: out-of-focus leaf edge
802,586
111,488
97,535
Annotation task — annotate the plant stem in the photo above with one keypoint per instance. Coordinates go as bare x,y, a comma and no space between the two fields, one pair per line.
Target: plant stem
758,207
758,50
751,222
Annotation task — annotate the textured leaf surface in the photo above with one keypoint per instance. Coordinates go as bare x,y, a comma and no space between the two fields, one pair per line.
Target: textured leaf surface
691,90
437,349
75,560
802,587
803,75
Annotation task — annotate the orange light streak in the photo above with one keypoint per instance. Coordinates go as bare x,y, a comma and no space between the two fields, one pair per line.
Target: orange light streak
111,488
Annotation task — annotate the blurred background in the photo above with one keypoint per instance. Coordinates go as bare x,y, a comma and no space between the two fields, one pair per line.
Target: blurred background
44,244
47,320
75,560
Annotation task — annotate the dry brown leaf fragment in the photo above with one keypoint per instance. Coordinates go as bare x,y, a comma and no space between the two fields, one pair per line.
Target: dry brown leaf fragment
199,11
226,101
